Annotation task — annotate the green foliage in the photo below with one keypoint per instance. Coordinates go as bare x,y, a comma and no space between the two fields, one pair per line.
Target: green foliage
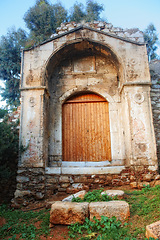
94,196
43,19
105,228
3,112
22,223
93,11
77,12
89,13
146,202
8,148
10,64
151,39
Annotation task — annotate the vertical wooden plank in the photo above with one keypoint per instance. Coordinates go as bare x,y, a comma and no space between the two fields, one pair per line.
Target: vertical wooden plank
85,129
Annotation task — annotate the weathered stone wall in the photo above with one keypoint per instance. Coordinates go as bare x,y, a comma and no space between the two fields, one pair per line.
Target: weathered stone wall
30,186
133,34
136,177
93,58
155,100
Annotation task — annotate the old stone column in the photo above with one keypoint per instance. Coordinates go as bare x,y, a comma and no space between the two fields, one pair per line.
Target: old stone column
33,144
139,133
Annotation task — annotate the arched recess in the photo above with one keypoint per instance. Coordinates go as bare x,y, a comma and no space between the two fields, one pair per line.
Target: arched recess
81,66
82,47
86,129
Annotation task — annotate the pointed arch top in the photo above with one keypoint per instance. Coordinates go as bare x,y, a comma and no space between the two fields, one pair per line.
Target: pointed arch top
82,46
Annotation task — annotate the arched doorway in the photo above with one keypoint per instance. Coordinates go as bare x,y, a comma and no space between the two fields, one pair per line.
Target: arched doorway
85,129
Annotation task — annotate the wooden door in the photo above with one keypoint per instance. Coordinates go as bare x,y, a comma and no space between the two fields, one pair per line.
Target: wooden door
85,129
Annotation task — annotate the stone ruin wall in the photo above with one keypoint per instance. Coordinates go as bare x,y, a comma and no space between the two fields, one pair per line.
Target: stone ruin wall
133,34
155,101
34,183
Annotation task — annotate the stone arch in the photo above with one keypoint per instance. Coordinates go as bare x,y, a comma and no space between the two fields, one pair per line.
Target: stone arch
61,52
101,75
74,91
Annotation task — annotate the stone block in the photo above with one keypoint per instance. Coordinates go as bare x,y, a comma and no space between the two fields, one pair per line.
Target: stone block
147,177
65,185
79,194
153,230
79,179
142,184
39,195
119,209
68,212
133,185
157,177
64,179
132,178
22,179
75,188
21,194
114,193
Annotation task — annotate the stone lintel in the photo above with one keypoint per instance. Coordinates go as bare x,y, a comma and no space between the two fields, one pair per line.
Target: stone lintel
84,170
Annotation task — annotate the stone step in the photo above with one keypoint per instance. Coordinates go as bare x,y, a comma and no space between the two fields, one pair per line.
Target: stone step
67,213
119,209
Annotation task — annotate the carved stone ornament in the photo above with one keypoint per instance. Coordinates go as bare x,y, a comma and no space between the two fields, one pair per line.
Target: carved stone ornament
133,62
139,98
32,101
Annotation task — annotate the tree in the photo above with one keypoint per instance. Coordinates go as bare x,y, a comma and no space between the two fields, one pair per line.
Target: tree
61,15
43,19
9,144
90,13
77,13
93,10
10,64
151,39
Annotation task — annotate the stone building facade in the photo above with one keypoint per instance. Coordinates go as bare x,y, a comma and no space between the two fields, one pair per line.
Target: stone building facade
86,116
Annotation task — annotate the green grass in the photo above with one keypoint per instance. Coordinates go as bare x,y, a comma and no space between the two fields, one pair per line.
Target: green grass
146,203
23,224
144,208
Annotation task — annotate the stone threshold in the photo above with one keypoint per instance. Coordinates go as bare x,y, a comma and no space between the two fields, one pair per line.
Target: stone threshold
84,170
116,162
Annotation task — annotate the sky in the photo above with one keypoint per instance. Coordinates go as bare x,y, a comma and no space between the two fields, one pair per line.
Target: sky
121,13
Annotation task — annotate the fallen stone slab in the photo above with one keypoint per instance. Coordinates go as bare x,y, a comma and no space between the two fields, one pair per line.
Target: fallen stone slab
114,193
153,230
119,209
67,213
80,194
